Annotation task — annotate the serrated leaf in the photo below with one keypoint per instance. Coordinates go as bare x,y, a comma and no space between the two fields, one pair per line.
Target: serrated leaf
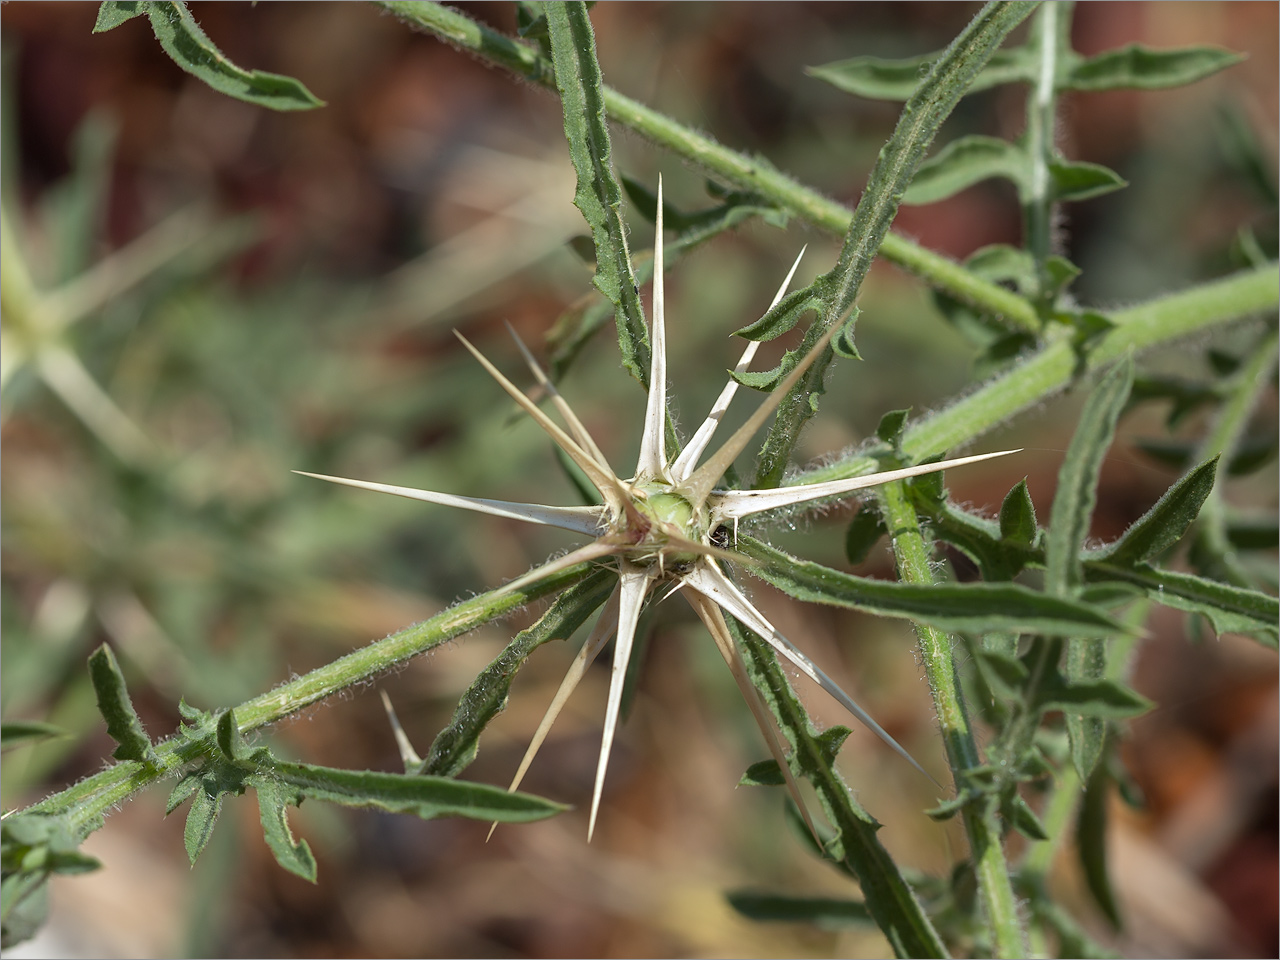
786,314
598,196
192,50
1018,516
1078,180
964,162
824,912
767,773
123,724
865,531
1140,68
1091,844
273,803
15,733
878,78
1168,519
456,745
201,819
976,607
184,788
112,13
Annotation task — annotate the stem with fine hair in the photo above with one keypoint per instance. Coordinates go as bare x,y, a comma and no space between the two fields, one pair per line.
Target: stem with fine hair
992,869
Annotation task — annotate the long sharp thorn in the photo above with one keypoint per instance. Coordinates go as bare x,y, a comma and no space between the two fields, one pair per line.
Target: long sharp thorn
576,427
604,481
412,762
696,488
708,580
606,626
586,520
634,584
653,452
688,458
710,615
743,503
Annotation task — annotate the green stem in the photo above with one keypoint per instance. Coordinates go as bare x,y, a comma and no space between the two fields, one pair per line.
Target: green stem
1042,101
750,173
1250,381
1056,365
994,886
92,798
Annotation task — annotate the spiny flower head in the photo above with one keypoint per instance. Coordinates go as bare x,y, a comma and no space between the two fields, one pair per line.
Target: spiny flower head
667,525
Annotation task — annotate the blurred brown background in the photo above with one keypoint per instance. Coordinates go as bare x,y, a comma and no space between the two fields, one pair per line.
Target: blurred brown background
313,333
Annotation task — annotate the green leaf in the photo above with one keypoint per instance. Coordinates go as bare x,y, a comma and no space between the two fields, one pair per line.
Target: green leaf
1141,68
1229,609
964,162
183,789
976,607
273,803
573,51
865,531
1078,478
1021,817
1018,516
116,708
891,426
201,819
889,899
787,313
1091,843
112,13
1050,689
827,913
422,796
878,78
192,50
16,733
1078,180
455,746
767,773
1164,524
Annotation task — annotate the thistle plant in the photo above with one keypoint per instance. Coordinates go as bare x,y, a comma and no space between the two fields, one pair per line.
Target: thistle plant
1026,662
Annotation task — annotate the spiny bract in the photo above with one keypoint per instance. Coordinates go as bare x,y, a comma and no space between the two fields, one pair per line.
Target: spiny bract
662,525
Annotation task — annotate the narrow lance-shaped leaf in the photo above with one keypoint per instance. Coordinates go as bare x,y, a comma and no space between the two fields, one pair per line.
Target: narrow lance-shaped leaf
1164,524
192,50
964,162
826,913
1091,842
1073,503
573,51
878,78
1141,68
924,113
15,733
116,708
976,607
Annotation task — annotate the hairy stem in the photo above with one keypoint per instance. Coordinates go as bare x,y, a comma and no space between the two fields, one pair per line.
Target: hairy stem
994,886
751,173
92,798
1056,365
